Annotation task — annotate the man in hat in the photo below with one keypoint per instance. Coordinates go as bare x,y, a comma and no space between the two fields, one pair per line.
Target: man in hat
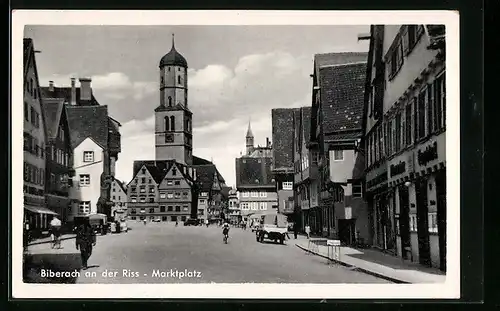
85,240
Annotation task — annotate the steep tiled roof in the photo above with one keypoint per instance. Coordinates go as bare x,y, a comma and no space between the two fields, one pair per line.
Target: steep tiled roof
328,59
52,111
225,192
120,184
158,169
254,172
65,92
283,137
342,97
205,175
88,121
200,161
114,135
344,136
306,123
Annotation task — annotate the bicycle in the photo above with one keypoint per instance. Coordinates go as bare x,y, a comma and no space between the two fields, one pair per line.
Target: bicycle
56,241
226,236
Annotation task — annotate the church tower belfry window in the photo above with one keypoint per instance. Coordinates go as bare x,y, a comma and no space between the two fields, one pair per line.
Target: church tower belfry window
170,101
179,79
167,127
172,123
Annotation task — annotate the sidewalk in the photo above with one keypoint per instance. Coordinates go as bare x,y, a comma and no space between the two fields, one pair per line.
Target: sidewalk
47,239
378,264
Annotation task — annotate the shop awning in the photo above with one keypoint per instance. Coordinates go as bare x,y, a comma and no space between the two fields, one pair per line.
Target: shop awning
39,210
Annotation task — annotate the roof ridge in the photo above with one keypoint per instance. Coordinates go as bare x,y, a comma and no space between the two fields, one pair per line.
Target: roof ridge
345,64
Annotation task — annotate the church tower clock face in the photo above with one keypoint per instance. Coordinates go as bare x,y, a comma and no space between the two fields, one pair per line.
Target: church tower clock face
173,119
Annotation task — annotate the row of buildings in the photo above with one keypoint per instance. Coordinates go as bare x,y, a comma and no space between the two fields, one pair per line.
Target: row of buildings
71,145
365,163
176,185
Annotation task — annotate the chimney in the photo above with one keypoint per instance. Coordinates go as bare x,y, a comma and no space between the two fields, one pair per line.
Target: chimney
85,89
51,86
267,142
73,92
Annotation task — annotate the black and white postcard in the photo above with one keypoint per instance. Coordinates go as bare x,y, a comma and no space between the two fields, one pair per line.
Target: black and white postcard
235,154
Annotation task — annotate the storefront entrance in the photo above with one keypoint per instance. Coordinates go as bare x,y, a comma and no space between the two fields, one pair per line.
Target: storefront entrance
404,220
347,231
441,215
424,250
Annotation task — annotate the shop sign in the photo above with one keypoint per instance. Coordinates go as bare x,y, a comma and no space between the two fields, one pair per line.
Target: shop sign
431,153
428,154
397,169
379,178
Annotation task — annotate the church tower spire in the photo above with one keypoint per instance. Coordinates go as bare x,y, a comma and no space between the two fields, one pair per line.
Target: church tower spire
173,119
249,139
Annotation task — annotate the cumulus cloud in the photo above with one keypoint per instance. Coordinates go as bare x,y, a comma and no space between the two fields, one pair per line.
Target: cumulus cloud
222,100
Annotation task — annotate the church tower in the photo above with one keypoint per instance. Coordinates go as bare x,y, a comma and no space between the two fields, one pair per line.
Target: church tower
249,140
173,119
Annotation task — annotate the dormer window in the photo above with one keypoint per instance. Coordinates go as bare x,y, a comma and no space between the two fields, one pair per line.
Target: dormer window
174,171
143,171
179,79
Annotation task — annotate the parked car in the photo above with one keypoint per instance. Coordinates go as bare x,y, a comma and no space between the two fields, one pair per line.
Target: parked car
156,220
192,222
273,227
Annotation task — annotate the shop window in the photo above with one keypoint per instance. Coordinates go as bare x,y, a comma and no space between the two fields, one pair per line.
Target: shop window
432,220
413,223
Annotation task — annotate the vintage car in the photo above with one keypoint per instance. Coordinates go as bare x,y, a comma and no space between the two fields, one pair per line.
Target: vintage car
192,222
272,227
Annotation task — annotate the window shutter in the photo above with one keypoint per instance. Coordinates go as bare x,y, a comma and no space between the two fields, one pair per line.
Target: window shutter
389,67
406,40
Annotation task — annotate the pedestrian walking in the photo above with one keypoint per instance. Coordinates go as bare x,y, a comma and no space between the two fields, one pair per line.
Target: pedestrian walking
308,231
295,230
85,241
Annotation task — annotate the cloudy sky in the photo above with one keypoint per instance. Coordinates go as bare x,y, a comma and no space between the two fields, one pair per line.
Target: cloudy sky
236,73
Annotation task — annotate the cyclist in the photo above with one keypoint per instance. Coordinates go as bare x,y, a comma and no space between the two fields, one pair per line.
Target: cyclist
225,231
55,228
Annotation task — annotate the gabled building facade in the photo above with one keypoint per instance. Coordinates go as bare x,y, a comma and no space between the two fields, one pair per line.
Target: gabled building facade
305,169
36,213
119,198
210,200
405,124
160,190
59,158
90,126
333,138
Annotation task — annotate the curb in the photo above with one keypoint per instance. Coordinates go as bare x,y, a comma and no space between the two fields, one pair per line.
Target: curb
49,241
376,274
